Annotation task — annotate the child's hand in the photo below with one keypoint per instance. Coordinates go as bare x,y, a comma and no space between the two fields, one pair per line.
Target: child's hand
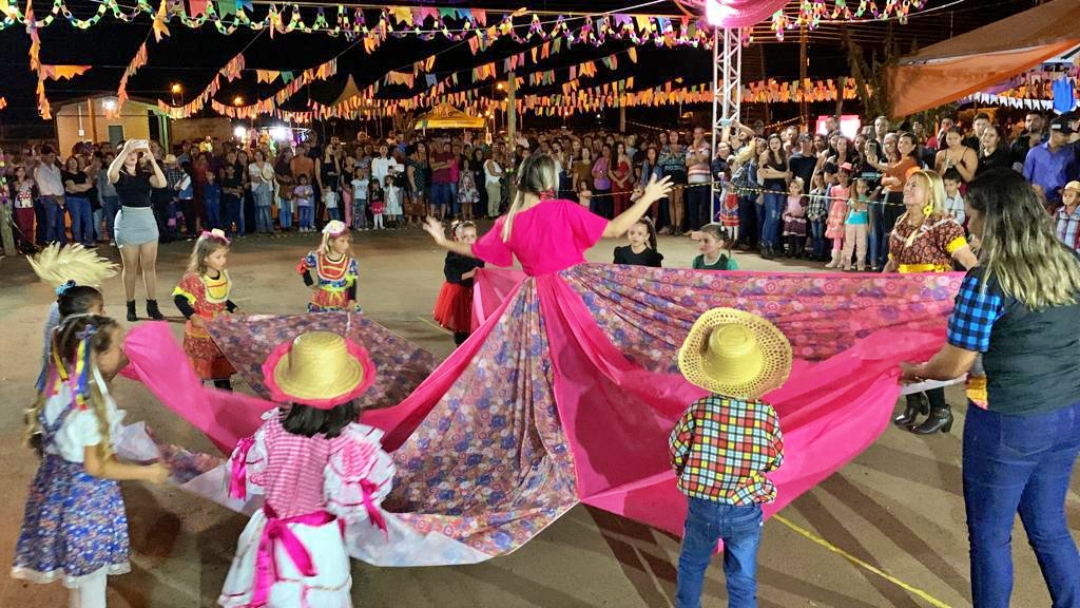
157,473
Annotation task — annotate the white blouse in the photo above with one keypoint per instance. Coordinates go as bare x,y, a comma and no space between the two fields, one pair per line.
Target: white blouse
80,429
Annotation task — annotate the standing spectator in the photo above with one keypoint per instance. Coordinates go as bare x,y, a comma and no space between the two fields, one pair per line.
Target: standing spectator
954,201
1051,165
894,177
493,174
978,127
803,161
232,195
302,164
442,194
174,180
283,177
773,170
1034,133
23,194
468,194
77,186
415,171
994,153
50,183
957,155
479,178
110,201
673,165
327,178
601,182
261,174
1067,218
247,197
698,177
622,179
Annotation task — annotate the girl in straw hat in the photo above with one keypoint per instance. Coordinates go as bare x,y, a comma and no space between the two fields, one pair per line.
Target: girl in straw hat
319,471
336,271
724,444
202,296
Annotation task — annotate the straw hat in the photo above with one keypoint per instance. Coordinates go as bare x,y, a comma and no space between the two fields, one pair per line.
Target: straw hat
320,369
734,353
1073,185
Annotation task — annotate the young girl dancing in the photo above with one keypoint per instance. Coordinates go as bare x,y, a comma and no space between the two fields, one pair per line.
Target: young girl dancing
715,246
642,248
453,309
335,269
74,526
319,470
202,296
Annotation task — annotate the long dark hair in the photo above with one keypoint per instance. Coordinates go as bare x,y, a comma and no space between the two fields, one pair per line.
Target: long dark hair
650,228
309,421
77,299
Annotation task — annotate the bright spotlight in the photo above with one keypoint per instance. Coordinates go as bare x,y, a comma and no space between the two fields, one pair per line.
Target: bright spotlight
240,132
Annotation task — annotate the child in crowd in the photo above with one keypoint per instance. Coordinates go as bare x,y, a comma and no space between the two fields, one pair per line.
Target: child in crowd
954,201
321,472
1067,217
378,205
641,250
715,246
286,188
724,444
23,188
305,204
212,200
202,296
74,527
345,199
453,309
817,213
330,201
392,194
839,195
856,225
795,219
360,185
336,271
468,193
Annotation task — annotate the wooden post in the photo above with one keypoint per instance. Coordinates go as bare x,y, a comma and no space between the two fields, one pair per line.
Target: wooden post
622,118
93,121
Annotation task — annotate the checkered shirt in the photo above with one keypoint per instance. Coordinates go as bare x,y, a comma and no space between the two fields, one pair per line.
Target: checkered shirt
974,315
818,209
1068,227
722,447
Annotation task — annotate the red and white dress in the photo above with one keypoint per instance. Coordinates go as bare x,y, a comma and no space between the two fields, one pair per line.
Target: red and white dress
207,298
293,553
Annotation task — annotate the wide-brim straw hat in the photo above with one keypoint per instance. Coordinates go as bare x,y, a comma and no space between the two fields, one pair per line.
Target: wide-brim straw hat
320,369
735,353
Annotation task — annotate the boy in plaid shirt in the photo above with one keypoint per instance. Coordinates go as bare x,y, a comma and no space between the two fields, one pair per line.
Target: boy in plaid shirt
724,444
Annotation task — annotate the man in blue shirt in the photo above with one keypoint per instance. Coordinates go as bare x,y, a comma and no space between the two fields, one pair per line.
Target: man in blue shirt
1051,165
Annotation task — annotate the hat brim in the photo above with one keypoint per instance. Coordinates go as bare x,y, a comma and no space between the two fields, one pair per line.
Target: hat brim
772,346
358,377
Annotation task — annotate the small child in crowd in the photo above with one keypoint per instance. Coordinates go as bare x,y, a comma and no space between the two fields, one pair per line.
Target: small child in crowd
1067,218
817,212
856,225
322,473
453,309
723,446
393,192
286,187
202,296
378,205
954,201
839,195
211,190
305,204
330,200
360,185
75,527
714,242
795,219
641,250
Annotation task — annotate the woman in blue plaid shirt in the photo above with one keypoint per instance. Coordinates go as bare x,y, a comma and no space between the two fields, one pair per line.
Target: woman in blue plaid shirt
1020,308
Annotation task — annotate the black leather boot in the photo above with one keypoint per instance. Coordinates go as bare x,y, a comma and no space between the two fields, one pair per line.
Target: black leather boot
916,404
940,420
152,310
131,316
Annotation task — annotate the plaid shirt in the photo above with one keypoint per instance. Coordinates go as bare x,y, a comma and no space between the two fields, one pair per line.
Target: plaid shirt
722,447
974,315
818,209
1068,227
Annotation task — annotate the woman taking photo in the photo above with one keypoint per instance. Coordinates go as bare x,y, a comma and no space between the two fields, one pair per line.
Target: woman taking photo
927,239
134,172
1019,309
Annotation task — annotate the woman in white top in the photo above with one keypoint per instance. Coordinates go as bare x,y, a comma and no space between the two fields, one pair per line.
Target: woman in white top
493,173
262,188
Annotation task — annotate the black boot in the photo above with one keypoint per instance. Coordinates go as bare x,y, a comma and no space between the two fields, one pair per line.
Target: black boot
131,316
916,404
940,420
152,310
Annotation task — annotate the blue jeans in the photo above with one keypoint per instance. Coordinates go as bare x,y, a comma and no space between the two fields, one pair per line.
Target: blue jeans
212,211
110,205
54,222
334,213
442,196
770,229
307,214
95,228
233,213
708,521
1020,464
748,221
264,220
285,213
817,234
876,242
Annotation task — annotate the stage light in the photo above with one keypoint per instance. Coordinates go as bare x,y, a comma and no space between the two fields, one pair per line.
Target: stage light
500,86
176,88
280,133
240,132
238,101
109,105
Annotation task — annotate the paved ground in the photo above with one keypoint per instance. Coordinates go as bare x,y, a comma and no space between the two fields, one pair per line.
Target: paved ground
898,506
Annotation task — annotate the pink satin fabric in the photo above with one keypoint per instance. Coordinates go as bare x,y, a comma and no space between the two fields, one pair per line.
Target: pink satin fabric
277,531
238,473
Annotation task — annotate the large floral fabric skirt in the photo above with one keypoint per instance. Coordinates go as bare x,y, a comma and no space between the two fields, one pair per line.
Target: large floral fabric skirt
568,390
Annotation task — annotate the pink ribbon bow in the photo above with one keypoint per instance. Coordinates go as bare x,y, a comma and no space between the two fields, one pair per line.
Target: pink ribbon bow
217,234
238,476
369,488
277,531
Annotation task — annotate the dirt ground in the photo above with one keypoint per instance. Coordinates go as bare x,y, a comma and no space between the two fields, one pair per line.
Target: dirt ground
898,506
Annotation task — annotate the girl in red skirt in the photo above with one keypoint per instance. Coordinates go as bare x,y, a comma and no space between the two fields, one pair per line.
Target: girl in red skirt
453,309
202,296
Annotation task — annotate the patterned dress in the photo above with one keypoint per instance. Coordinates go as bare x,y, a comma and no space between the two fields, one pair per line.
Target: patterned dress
209,299
838,209
928,247
334,282
319,492
74,526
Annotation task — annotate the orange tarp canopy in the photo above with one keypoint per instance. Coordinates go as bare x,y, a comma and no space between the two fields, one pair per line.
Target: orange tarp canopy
950,70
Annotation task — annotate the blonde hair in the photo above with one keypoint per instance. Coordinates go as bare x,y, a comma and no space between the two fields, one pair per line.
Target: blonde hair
537,176
79,335
1019,246
204,247
935,191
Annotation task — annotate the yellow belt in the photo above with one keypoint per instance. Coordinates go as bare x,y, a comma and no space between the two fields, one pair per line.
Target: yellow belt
906,268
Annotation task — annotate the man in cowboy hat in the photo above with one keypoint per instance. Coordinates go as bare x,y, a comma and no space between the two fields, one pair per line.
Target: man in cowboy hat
724,444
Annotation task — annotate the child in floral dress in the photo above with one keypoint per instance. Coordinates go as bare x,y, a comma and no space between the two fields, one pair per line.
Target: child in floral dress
202,296
336,271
